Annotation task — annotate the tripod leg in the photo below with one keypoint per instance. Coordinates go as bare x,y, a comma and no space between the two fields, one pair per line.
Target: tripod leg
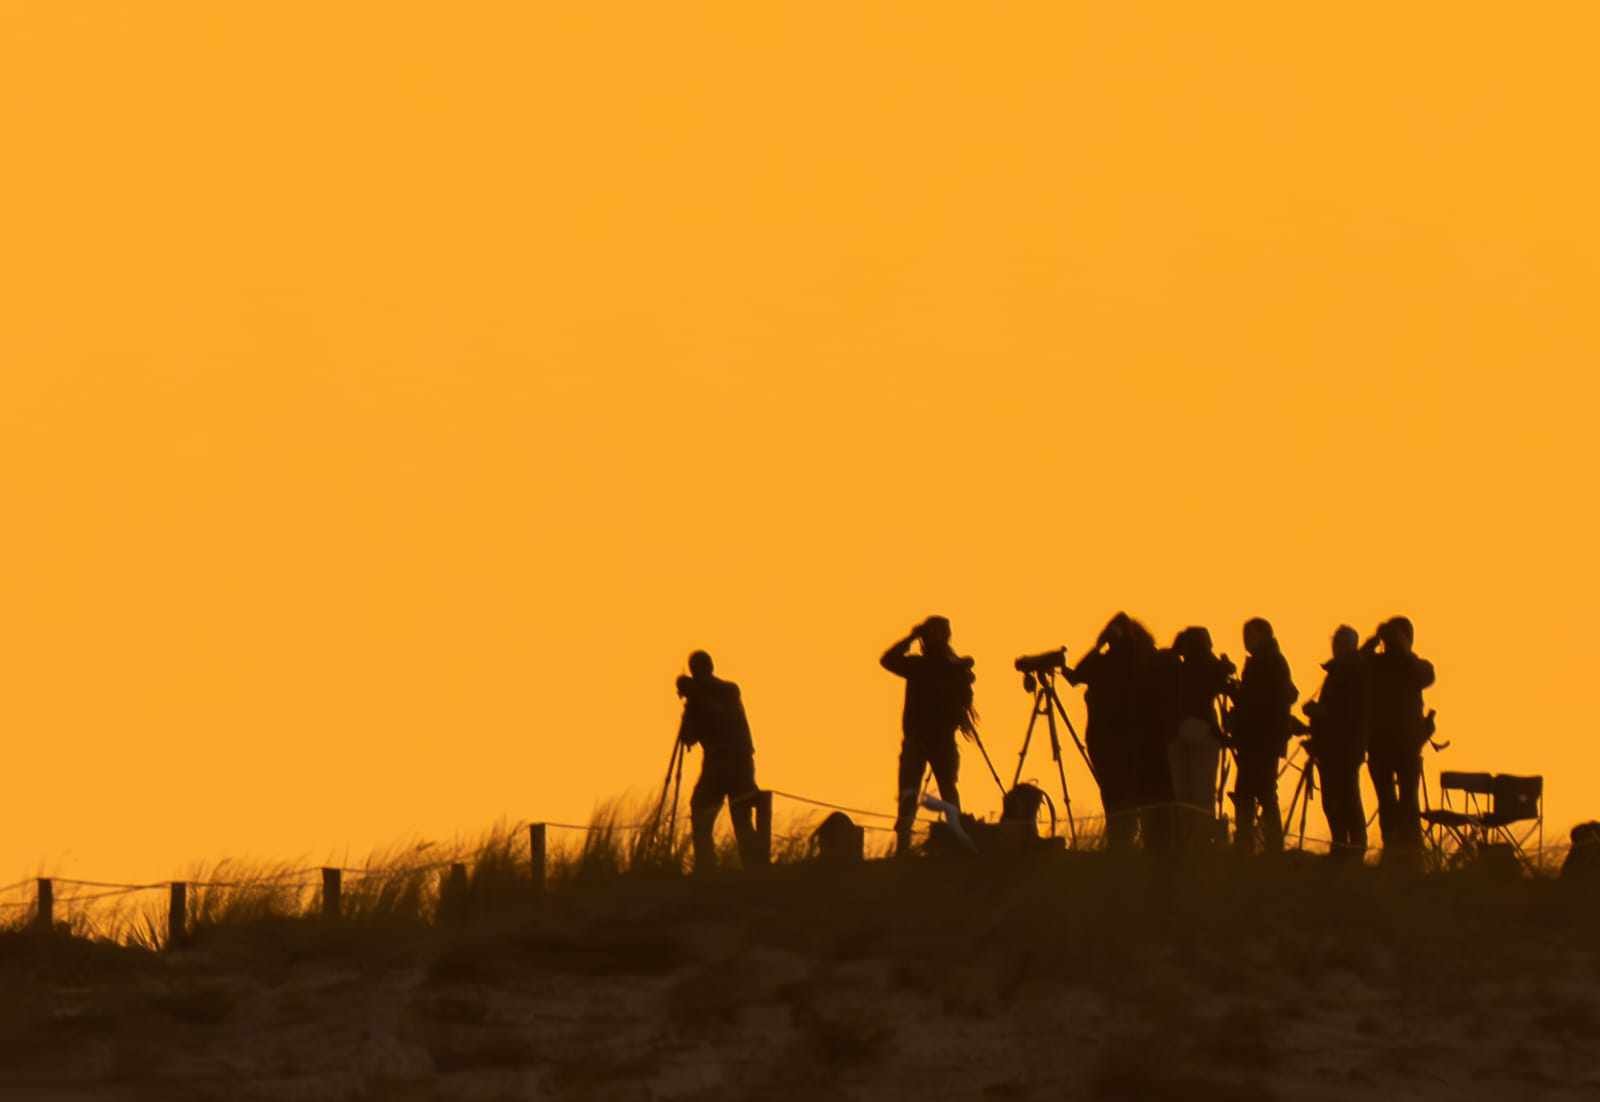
1022,755
1083,751
677,796
998,783
1301,801
666,784
1311,790
1061,771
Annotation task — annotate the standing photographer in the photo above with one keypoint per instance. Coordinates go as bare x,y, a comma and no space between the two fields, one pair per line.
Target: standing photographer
713,717
1339,743
1196,744
1398,732
1261,727
938,704
1117,675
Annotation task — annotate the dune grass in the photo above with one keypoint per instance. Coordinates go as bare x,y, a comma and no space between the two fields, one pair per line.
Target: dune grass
1215,962
414,886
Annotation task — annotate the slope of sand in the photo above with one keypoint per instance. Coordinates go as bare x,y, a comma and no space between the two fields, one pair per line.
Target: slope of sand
1060,977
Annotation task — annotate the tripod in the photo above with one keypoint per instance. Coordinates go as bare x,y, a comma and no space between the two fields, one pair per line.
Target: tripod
1304,788
674,784
1042,684
1224,725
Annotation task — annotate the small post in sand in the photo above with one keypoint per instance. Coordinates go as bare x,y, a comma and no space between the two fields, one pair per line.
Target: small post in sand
44,916
537,855
177,915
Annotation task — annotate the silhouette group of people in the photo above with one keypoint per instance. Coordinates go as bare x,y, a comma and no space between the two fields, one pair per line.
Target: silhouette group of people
1160,722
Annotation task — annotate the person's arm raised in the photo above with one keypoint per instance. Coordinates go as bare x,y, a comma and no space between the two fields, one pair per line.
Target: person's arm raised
897,659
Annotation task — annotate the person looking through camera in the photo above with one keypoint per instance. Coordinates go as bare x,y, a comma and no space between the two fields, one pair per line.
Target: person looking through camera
714,719
938,703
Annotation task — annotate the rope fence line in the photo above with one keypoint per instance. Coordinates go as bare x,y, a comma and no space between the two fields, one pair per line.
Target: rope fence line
832,807
605,828
103,884
331,883
72,900
47,899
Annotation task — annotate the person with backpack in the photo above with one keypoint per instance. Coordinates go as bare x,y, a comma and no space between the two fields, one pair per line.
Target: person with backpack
938,703
714,719
1261,725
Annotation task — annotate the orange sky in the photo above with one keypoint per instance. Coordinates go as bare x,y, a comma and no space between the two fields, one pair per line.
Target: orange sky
393,394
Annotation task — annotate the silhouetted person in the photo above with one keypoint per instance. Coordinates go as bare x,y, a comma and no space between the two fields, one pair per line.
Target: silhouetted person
1200,676
1155,728
1582,864
1115,677
1397,732
713,718
938,704
1261,726
1339,742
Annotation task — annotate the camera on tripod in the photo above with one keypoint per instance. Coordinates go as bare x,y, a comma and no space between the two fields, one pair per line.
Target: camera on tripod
1033,666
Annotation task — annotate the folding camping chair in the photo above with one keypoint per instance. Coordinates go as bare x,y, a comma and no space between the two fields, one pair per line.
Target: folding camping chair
1492,810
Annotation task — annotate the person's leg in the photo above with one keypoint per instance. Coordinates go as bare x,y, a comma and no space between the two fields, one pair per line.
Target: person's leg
1336,805
704,804
908,785
1267,797
1117,796
1408,813
1383,782
1194,773
1244,800
1180,766
1204,756
1154,794
946,765
1357,830
742,809
1244,821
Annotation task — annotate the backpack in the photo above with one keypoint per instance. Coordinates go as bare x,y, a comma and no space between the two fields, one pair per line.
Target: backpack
1021,805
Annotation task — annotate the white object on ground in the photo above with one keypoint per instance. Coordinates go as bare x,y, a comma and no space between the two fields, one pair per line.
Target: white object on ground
952,815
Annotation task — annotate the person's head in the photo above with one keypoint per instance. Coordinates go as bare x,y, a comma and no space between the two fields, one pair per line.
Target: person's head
700,664
1345,641
935,634
1116,630
1398,635
1257,635
1193,642
1136,636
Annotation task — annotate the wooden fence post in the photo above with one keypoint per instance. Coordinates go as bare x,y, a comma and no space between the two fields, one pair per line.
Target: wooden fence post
537,855
764,826
178,915
331,891
44,917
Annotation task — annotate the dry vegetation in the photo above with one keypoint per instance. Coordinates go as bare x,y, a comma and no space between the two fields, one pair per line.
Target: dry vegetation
1056,976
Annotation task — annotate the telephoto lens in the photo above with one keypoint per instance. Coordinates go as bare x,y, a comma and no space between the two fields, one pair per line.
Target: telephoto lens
1044,662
